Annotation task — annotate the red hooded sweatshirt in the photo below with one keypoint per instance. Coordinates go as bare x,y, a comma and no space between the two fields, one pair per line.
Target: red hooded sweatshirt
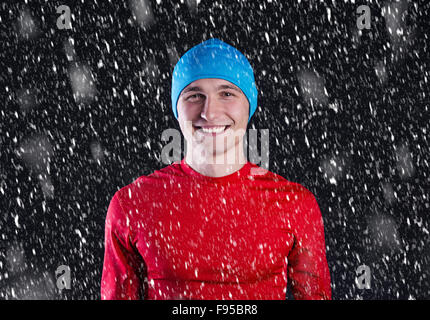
177,234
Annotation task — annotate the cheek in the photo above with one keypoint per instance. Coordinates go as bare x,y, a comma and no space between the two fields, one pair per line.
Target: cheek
240,112
188,111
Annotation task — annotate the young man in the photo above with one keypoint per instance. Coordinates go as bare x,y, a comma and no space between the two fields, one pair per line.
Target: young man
214,225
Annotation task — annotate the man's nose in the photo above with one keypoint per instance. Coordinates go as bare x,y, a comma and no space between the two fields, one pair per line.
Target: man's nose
211,109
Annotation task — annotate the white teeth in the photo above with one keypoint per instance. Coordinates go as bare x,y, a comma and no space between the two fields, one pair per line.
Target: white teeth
212,130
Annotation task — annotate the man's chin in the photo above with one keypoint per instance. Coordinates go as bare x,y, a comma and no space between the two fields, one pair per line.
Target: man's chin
207,151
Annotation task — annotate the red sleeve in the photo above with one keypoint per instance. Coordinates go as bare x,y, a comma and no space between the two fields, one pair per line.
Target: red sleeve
123,266
307,264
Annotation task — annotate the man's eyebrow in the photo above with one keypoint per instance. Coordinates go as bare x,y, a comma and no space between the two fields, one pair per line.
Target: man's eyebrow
227,86
221,87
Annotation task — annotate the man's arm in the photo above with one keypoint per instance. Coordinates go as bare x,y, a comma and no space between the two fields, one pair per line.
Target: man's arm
123,266
307,264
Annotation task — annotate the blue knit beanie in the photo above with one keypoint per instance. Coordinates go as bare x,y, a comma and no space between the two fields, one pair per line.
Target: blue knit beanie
214,59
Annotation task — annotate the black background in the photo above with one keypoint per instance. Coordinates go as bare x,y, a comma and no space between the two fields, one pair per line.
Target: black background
372,119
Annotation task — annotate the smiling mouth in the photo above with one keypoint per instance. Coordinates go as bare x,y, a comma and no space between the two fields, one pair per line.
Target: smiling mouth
212,130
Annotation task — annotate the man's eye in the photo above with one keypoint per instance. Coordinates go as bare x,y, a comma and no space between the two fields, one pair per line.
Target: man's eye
194,96
228,94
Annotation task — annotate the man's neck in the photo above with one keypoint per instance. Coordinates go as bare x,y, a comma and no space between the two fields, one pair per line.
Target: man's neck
218,165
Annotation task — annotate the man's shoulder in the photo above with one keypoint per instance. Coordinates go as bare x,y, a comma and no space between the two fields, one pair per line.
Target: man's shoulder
149,182
280,183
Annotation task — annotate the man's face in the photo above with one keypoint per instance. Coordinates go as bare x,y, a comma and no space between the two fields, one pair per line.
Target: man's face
216,104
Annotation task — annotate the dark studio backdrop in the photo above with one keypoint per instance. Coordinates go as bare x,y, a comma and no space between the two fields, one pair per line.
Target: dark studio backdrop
83,110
